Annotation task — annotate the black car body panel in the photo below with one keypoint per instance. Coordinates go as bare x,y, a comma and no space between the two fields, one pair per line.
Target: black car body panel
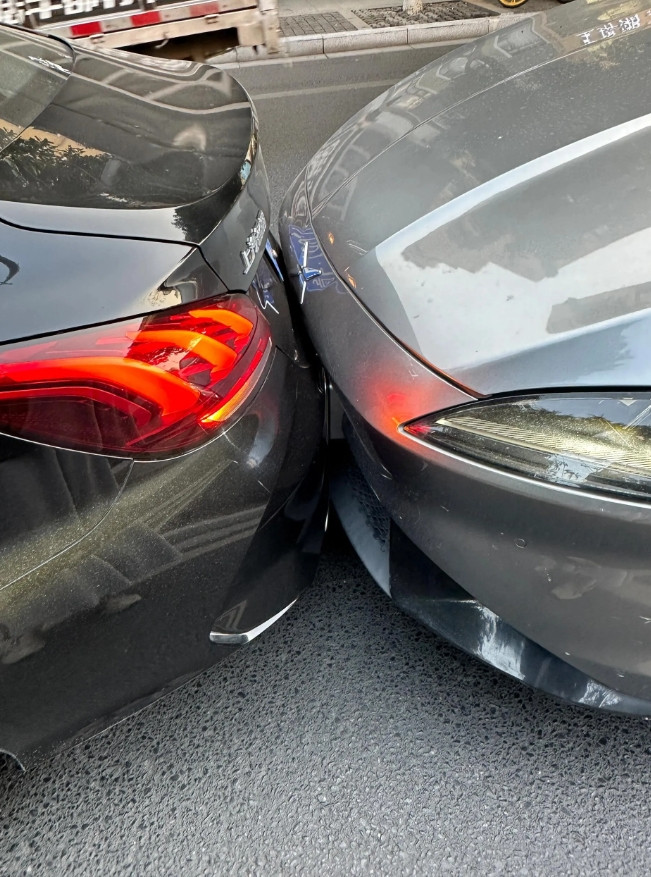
173,158
115,573
140,190
119,278
168,137
134,148
133,567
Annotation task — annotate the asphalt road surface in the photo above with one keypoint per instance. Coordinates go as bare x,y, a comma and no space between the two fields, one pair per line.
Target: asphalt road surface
302,102
346,739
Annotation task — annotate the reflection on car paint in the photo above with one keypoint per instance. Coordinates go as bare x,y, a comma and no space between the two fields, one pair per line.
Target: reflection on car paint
470,240
616,27
12,269
128,608
263,284
493,255
312,267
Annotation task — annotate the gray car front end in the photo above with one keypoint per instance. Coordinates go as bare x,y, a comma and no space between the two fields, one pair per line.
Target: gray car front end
471,255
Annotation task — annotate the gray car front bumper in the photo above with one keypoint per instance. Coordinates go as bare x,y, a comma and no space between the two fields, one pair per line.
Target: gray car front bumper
567,571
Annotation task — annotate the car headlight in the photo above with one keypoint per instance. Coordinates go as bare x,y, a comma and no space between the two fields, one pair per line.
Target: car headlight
582,440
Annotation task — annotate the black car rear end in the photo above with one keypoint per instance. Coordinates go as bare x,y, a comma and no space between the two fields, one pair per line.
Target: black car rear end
161,432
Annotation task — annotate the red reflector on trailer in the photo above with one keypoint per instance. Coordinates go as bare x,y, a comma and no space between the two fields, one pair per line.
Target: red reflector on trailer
201,9
144,18
87,29
147,388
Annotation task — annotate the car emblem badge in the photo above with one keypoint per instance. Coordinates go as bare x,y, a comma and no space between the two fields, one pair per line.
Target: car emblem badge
304,273
254,241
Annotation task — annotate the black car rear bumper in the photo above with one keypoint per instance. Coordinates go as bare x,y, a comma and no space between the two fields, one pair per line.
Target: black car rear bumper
225,536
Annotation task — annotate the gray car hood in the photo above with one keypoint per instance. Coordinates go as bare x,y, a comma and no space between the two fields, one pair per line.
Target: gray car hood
493,211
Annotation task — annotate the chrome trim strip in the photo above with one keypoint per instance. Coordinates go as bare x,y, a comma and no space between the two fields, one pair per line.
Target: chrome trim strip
238,639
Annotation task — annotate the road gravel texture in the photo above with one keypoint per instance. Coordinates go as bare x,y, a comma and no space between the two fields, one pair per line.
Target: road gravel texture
346,739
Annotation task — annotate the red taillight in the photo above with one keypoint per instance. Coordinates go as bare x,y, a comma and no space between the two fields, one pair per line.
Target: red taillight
147,388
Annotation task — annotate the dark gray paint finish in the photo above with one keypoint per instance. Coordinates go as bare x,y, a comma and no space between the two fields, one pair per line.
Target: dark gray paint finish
513,255
374,372
569,571
424,591
566,569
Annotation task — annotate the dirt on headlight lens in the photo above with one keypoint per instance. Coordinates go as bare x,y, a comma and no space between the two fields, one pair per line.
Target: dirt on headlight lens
586,441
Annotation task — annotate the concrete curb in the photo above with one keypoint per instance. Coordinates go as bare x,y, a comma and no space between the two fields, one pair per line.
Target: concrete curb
372,38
